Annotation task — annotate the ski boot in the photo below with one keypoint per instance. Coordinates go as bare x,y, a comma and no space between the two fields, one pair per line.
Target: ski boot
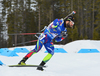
22,62
41,64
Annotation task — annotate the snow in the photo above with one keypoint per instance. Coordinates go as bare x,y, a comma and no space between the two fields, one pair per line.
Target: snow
61,64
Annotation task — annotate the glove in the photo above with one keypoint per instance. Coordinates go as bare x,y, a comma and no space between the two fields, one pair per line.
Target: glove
64,34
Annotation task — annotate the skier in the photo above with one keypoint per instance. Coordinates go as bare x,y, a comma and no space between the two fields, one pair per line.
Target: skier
55,30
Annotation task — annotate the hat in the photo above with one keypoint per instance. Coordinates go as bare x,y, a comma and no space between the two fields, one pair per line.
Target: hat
69,18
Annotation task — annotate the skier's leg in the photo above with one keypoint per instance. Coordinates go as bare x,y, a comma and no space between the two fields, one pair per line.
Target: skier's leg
37,49
50,48
34,51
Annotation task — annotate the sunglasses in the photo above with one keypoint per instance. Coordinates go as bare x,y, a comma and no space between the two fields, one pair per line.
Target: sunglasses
71,21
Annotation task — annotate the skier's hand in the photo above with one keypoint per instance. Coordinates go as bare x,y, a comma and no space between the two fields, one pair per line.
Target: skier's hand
64,34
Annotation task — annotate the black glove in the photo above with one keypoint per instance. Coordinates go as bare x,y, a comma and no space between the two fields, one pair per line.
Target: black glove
64,34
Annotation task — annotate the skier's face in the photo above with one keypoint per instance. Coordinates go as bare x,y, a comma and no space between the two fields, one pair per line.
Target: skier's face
69,24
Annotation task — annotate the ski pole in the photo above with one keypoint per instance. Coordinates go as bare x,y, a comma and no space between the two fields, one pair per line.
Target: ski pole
24,34
25,42
29,33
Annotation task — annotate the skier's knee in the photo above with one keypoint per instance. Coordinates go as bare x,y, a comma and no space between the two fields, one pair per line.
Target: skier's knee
34,51
52,53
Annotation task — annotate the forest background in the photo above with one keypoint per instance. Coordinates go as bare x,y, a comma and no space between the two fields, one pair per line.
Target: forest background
30,16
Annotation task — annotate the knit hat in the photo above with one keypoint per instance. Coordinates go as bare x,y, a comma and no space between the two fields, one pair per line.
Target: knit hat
69,18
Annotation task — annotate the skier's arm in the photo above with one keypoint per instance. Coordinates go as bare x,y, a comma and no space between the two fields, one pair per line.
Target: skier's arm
55,23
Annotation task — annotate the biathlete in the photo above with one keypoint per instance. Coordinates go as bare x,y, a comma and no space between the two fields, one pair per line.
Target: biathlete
55,30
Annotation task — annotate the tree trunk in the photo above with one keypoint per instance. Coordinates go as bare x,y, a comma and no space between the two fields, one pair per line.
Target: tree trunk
39,19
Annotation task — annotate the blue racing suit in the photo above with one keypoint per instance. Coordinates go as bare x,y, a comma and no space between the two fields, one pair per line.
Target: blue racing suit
53,31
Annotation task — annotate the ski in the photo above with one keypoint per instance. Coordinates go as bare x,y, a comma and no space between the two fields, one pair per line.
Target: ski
27,65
